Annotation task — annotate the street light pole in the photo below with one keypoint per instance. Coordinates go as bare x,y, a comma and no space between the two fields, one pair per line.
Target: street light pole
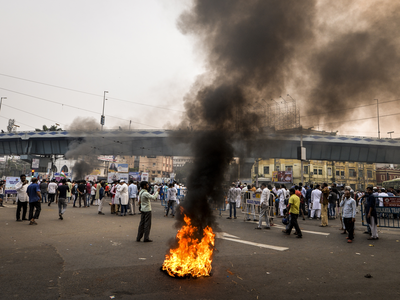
390,132
377,111
102,120
1,101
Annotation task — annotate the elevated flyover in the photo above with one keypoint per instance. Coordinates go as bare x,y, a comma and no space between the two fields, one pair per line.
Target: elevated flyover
271,144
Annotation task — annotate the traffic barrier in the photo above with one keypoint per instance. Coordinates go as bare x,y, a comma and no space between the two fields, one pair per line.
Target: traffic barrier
388,215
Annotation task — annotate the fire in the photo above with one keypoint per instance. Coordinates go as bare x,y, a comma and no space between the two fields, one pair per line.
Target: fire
191,257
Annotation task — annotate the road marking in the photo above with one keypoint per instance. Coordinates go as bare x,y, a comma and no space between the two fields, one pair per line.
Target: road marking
228,237
307,231
256,244
224,234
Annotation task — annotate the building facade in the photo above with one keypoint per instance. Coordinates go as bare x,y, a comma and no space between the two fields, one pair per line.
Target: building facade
156,166
180,161
386,173
356,175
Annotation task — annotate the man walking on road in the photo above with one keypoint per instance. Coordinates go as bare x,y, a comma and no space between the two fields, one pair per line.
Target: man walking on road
43,190
62,198
349,214
33,192
52,188
22,198
145,219
264,206
294,209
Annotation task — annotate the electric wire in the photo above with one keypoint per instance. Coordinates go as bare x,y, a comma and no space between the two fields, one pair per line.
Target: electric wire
75,107
91,94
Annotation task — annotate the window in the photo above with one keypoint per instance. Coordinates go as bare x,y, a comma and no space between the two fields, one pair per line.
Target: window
255,170
315,171
306,170
383,177
289,168
319,171
278,168
342,173
352,173
159,172
266,170
329,171
154,164
337,173
361,173
154,172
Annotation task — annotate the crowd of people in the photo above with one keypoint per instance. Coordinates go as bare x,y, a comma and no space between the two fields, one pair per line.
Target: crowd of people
321,202
124,198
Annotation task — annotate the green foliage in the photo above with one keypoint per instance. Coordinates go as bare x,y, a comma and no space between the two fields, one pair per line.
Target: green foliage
51,128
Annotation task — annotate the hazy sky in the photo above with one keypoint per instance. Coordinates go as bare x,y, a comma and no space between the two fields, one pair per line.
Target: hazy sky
132,49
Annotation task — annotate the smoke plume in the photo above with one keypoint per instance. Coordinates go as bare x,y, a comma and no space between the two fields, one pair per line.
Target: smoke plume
249,48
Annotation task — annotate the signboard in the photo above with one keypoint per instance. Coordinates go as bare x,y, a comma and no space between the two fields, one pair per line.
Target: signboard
91,178
11,182
113,167
254,198
282,176
145,176
135,176
388,210
392,202
112,177
35,163
124,176
107,158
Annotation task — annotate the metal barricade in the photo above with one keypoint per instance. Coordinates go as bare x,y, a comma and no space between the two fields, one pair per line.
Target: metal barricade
388,215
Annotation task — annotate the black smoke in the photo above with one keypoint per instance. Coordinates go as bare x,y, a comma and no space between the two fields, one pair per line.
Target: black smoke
249,49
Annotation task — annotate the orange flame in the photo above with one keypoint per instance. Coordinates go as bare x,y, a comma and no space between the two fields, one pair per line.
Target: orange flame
191,257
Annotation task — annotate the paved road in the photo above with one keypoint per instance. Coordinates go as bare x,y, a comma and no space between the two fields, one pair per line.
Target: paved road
92,256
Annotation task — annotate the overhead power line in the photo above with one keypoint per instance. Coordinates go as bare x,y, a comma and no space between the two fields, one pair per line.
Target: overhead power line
75,107
91,94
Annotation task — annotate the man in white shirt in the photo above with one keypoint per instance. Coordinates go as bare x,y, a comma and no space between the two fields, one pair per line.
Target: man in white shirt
282,196
316,202
382,193
132,190
52,189
22,198
171,197
232,196
264,206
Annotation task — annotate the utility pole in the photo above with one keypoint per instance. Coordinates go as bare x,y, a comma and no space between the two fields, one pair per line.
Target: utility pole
377,112
103,118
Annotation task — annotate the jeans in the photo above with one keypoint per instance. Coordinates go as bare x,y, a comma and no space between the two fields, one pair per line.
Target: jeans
44,197
124,209
144,226
293,223
88,199
24,206
62,205
331,210
232,205
171,204
32,206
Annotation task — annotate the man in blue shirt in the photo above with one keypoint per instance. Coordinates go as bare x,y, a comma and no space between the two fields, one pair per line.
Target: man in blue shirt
35,197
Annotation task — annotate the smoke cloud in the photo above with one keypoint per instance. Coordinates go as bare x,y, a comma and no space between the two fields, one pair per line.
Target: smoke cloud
249,48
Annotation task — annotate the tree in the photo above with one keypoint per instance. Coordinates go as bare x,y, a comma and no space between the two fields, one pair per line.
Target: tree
51,128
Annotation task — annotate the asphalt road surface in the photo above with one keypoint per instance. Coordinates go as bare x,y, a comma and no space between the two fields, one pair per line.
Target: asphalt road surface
91,256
